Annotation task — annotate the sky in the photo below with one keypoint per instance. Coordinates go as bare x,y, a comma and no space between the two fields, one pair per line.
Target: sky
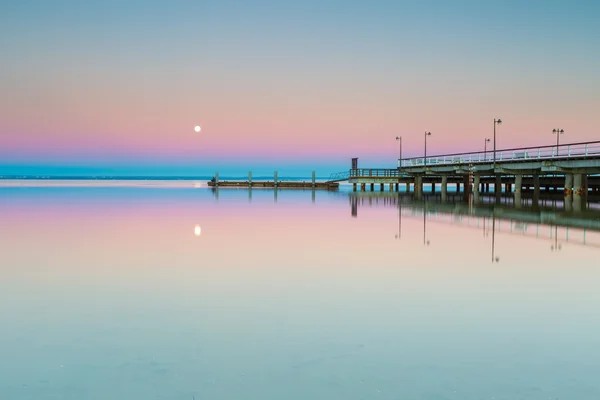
116,87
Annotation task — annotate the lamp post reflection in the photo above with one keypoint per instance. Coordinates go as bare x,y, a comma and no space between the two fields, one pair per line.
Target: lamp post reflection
399,234
556,246
495,258
425,240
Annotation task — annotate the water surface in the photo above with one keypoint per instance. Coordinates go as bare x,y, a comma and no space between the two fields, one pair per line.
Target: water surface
180,293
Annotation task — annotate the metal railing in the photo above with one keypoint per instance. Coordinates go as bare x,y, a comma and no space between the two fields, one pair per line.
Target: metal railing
339,176
563,151
374,172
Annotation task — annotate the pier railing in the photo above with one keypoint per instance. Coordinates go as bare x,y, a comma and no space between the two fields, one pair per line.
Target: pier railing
564,151
373,172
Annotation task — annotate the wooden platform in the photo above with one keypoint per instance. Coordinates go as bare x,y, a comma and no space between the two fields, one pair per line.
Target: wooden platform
280,185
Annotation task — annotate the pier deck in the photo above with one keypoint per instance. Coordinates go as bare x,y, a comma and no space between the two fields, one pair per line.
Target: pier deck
278,184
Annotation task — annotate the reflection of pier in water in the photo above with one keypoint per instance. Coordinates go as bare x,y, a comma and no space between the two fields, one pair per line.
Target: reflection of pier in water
543,223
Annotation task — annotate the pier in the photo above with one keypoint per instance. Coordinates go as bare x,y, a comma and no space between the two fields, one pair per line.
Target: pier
573,169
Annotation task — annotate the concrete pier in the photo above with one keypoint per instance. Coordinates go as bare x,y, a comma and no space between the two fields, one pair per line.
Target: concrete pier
498,187
536,190
568,192
518,187
444,187
476,195
577,192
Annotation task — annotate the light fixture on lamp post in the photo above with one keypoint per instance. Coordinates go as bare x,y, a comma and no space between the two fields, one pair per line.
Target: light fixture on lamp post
558,132
487,140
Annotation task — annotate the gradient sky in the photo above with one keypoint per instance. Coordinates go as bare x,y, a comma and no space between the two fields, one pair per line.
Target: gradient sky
117,87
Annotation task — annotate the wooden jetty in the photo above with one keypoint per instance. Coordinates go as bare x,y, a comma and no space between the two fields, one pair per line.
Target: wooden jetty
278,184
274,184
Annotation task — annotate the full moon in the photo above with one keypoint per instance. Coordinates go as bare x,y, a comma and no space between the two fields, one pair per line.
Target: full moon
197,230
197,128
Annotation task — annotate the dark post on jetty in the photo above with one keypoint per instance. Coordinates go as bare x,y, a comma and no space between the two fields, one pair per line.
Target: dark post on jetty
276,183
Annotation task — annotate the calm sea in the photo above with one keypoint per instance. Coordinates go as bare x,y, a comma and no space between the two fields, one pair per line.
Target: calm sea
162,290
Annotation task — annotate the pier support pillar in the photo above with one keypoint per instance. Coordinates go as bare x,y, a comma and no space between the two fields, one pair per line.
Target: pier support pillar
397,187
498,187
476,180
458,188
432,187
354,187
487,187
518,186
419,187
363,187
577,192
381,186
568,197
407,187
536,190
444,188
249,178
467,185
372,187
392,187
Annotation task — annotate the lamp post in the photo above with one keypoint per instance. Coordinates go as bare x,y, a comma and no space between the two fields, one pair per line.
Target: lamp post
399,140
425,158
487,140
558,132
496,122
